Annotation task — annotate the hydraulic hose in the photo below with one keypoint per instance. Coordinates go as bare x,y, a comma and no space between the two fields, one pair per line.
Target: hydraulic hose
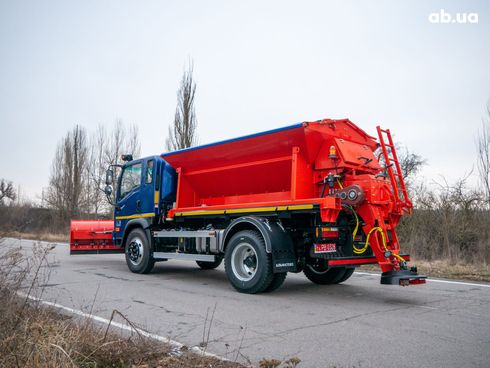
356,229
366,244
354,234
383,238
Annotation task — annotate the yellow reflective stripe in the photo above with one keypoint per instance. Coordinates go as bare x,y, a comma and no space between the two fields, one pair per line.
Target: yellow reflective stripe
157,196
247,210
197,213
257,209
300,207
140,215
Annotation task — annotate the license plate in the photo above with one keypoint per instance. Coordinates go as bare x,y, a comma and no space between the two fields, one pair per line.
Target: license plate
325,248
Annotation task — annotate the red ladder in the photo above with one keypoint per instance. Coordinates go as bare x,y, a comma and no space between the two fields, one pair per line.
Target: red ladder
394,170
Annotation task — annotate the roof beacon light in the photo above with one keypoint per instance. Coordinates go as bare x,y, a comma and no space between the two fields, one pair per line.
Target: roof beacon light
333,153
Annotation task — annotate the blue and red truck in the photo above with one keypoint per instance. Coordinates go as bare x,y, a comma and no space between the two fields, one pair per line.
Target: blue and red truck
318,197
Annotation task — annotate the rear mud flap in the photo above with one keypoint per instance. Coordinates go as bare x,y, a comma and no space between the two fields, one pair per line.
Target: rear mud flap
282,249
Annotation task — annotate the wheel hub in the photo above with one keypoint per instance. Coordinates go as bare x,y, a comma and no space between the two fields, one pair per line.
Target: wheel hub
250,262
135,251
244,262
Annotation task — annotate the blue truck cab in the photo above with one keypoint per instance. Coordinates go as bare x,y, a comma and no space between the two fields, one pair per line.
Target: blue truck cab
144,188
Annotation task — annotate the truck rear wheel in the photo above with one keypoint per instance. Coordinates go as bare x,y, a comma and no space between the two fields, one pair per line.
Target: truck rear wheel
348,273
138,252
247,263
210,265
277,281
318,272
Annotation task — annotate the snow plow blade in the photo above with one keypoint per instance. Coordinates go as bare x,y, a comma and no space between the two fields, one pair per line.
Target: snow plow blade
92,237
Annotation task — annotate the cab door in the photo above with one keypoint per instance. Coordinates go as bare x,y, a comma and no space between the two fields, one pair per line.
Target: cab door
148,192
128,200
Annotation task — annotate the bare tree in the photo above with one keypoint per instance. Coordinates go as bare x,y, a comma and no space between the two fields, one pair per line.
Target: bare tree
410,163
77,180
7,191
483,146
114,146
120,141
96,171
66,183
182,133
132,141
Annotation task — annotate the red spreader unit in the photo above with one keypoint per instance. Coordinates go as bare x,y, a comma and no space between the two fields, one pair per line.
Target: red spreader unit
330,164
89,236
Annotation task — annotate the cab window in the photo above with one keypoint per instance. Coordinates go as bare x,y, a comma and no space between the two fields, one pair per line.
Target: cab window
149,171
131,178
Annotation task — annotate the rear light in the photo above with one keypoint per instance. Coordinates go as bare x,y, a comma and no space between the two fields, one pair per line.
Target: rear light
406,282
328,232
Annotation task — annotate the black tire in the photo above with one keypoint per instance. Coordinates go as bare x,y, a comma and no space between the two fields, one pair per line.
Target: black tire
348,273
247,263
138,252
210,265
277,281
318,272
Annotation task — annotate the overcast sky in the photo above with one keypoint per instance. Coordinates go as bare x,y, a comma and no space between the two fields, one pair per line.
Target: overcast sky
258,65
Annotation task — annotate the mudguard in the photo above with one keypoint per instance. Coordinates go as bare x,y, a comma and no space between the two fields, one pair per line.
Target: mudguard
277,241
143,223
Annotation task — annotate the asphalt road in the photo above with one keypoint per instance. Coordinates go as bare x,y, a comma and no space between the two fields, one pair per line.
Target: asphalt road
356,324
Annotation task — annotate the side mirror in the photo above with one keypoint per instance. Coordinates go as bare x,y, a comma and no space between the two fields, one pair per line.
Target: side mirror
109,177
108,190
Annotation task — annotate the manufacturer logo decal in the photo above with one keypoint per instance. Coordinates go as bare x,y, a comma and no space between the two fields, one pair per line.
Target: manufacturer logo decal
287,264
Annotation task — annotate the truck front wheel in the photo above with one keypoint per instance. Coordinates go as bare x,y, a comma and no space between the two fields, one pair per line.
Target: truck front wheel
247,263
138,252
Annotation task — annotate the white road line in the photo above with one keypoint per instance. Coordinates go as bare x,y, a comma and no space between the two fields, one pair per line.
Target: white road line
433,280
166,340
459,283
367,273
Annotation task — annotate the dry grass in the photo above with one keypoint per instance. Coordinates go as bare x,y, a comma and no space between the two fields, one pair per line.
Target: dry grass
44,236
451,223
32,335
43,338
464,271
445,269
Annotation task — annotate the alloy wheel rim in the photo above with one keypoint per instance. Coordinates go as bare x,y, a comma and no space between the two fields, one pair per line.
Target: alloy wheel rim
135,251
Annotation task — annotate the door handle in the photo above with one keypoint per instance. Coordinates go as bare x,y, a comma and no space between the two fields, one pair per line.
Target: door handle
138,205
